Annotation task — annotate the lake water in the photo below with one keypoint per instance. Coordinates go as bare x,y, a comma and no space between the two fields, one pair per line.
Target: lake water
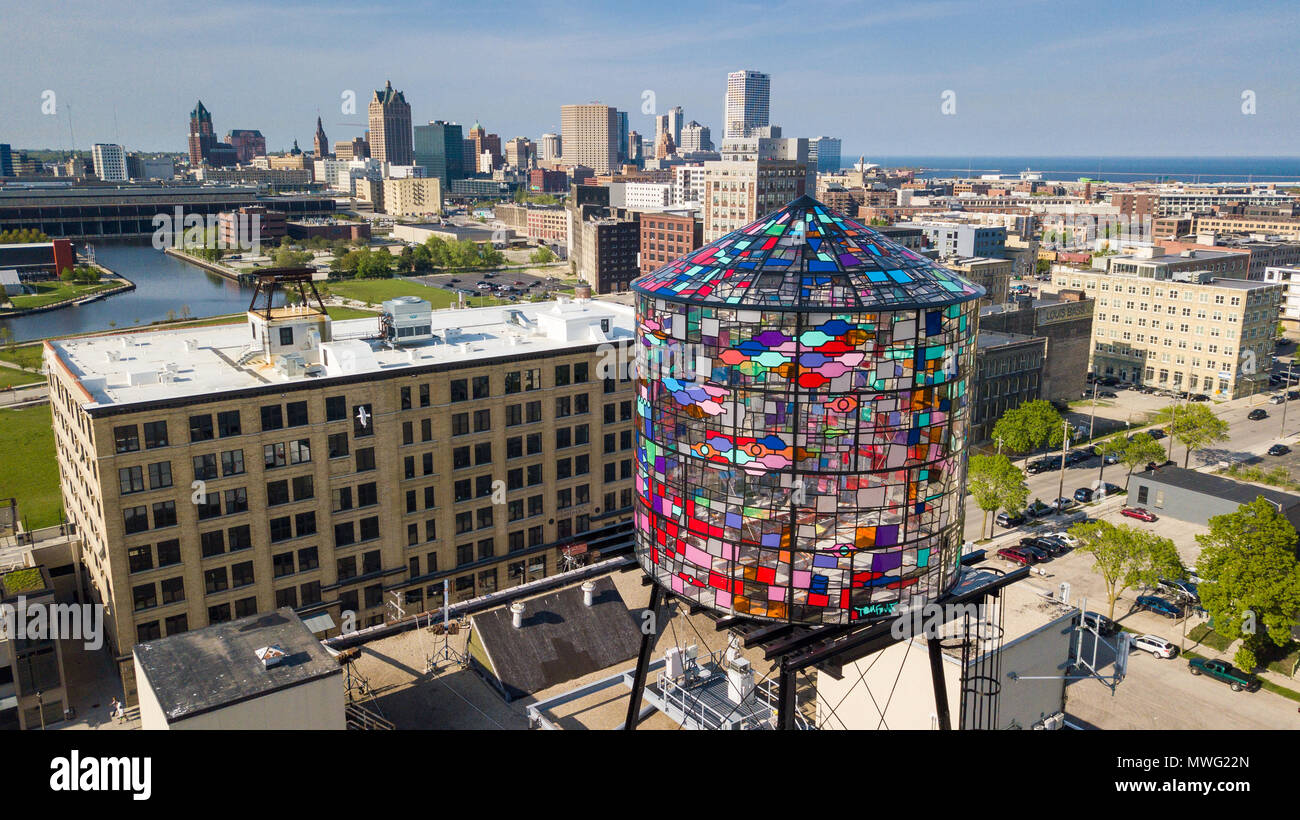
163,284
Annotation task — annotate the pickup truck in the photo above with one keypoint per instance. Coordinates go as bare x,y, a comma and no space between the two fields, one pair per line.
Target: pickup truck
1226,672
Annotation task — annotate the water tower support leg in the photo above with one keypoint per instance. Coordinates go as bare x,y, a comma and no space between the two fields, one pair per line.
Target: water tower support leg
940,691
643,659
785,698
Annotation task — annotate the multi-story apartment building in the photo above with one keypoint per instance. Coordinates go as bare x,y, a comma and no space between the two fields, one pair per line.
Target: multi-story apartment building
695,137
590,136
1287,227
549,148
688,184
667,236
412,196
963,239
1178,203
746,109
824,153
737,193
1289,309
110,162
994,275
1180,329
223,471
390,127
604,251
1153,262
1008,373
1065,321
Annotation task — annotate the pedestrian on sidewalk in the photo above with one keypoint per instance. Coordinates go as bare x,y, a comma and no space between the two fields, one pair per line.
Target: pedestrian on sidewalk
119,715
114,709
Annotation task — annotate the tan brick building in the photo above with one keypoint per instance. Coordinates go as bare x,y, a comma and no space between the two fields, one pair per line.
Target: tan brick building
317,465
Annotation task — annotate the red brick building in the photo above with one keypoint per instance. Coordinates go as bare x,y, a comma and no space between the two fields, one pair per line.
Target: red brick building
667,236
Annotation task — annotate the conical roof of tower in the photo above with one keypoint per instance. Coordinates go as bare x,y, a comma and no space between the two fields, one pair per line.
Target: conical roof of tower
807,256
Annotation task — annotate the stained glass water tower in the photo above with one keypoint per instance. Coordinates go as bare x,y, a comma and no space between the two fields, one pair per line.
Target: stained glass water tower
803,392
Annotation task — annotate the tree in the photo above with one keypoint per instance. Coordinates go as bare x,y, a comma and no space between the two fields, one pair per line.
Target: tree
1030,426
1251,576
1126,557
996,484
1139,450
542,256
1194,426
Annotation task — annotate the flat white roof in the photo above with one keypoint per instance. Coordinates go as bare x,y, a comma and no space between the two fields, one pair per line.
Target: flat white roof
131,368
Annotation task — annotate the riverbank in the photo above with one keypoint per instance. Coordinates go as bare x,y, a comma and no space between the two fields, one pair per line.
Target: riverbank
101,290
210,267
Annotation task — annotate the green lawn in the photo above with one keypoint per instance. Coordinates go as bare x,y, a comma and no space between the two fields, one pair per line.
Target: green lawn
47,293
27,355
376,291
1203,634
11,376
33,478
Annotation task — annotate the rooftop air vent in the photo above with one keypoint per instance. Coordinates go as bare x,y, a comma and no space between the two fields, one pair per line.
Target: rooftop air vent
270,655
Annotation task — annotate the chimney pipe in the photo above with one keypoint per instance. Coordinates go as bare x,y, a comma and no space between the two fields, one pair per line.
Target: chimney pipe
588,593
517,614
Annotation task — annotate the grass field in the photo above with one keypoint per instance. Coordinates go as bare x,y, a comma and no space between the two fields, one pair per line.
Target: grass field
47,293
26,355
375,291
10,376
33,478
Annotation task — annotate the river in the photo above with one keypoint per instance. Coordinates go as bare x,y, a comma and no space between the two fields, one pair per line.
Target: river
162,284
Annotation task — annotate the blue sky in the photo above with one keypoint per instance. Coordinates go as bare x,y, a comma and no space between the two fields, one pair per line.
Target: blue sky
1046,78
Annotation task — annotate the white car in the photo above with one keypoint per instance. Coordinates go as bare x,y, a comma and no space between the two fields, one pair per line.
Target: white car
1066,537
1156,645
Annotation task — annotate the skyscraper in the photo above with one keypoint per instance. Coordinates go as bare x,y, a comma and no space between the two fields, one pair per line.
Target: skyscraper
248,143
824,152
110,162
440,148
6,161
550,147
390,127
590,133
695,137
748,94
623,131
322,143
202,137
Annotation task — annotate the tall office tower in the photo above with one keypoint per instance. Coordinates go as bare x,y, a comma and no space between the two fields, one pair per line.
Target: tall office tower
390,127
248,143
550,147
623,131
202,138
675,121
110,162
590,134
634,153
519,152
664,145
485,143
322,143
748,93
695,137
824,152
6,161
440,148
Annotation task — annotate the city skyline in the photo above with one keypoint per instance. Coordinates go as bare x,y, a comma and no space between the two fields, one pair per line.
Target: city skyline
1161,99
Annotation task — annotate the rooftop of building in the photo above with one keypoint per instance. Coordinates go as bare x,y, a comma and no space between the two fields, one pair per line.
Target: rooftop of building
997,338
1217,486
218,666
129,368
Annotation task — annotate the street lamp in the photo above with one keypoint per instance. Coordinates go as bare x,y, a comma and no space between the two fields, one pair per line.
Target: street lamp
1065,447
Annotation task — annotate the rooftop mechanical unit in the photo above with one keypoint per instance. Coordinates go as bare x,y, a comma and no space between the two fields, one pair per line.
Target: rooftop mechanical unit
407,319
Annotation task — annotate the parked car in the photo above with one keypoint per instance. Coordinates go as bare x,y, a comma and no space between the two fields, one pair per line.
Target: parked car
1158,605
1103,625
1279,450
1138,513
1065,538
1198,397
1156,645
1107,394
1008,520
1083,495
1292,395
1257,414
1062,504
1018,555
1037,509
1106,490
1045,543
1077,457
1184,590
1226,672
1040,554
1277,399
1156,433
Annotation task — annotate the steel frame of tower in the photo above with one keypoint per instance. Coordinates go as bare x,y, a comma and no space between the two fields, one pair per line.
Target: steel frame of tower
796,648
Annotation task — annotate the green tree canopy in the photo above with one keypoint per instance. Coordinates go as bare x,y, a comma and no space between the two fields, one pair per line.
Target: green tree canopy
1135,452
1030,426
1251,576
1126,557
1194,426
996,484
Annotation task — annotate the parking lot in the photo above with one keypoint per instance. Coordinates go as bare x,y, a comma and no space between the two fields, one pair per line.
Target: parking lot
533,282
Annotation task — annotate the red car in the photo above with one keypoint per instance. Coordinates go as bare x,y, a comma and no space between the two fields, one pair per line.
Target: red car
1018,555
1138,513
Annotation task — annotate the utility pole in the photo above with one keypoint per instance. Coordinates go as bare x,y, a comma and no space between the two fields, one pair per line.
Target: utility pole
1065,447
1286,396
1092,419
